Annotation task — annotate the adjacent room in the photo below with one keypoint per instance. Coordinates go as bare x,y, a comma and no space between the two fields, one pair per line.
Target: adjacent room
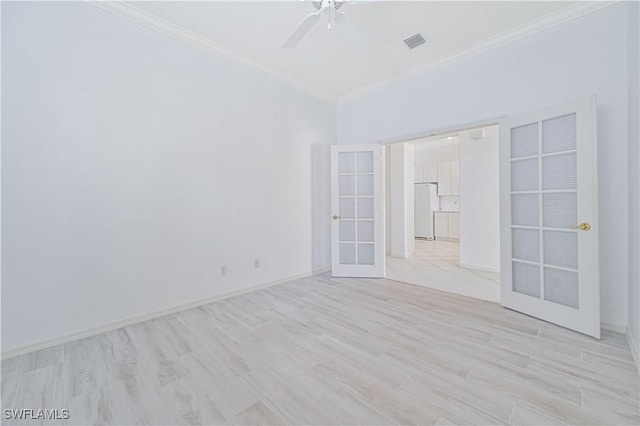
326,212
448,250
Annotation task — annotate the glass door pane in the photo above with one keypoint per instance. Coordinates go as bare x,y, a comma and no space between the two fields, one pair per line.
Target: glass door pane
560,210
544,210
364,208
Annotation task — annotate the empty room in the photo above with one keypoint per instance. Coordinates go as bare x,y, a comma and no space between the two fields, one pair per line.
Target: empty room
328,212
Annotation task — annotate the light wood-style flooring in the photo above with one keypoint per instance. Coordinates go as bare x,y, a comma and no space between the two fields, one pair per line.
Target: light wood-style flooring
334,351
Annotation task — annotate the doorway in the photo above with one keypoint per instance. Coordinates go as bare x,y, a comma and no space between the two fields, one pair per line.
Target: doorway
450,219
547,211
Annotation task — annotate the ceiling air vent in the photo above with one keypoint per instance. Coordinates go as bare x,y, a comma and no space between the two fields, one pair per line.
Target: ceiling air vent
414,41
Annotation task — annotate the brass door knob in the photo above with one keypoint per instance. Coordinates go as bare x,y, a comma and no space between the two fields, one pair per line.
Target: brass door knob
335,217
584,226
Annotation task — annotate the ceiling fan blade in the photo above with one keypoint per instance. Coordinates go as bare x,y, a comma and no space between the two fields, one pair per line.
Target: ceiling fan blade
361,2
351,31
298,34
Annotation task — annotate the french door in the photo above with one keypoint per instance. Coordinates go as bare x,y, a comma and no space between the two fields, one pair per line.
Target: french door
549,215
357,229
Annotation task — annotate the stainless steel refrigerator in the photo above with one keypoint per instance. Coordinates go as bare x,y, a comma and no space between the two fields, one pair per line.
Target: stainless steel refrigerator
426,201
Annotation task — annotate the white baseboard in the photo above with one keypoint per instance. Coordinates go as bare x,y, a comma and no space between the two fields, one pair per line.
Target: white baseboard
479,268
144,317
616,328
633,345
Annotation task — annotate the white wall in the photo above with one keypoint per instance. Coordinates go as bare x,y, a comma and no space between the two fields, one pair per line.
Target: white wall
134,166
585,56
479,201
402,234
634,173
424,154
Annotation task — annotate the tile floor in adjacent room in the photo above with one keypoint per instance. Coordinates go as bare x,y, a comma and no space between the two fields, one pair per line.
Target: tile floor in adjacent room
435,264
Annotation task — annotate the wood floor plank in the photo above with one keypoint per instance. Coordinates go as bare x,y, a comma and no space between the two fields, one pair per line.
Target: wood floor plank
41,388
133,394
586,343
181,339
527,415
443,421
621,392
9,388
83,369
621,365
375,368
158,358
281,353
218,314
486,399
349,410
362,342
10,378
241,334
545,402
288,400
13,365
453,407
49,357
257,414
189,404
398,408
228,392
218,345
431,352
623,408
94,407
585,372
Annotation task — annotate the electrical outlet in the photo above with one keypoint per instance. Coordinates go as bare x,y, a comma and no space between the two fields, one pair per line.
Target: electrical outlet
223,270
256,262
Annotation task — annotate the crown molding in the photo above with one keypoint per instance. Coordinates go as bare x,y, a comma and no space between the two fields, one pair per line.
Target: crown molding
125,10
570,13
148,20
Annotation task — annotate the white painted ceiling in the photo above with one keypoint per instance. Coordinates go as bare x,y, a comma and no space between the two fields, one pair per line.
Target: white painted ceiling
324,61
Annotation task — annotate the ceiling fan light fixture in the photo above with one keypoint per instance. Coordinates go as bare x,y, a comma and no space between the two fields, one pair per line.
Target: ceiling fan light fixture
330,9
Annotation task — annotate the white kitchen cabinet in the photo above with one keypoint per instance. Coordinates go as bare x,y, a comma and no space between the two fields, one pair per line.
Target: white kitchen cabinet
454,226
425,173
447,225
455,178
431,172
441,225
444,179
449,178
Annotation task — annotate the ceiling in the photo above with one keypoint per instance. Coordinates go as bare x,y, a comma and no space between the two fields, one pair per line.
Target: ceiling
325,62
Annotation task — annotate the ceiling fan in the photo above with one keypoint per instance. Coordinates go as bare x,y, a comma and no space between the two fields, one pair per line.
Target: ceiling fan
331,9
